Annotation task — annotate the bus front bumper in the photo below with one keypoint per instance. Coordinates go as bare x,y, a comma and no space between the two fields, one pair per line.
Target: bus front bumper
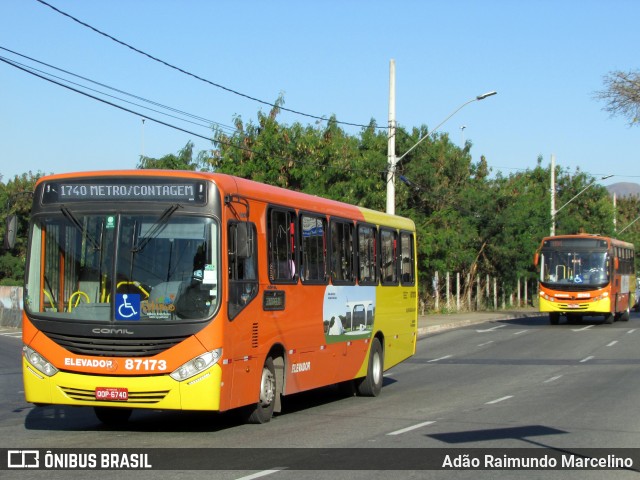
563,306
200,392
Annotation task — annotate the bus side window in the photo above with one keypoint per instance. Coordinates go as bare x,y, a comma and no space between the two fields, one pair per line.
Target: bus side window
388,257
406,258
367,255
243,258
313,254
282,246
342,254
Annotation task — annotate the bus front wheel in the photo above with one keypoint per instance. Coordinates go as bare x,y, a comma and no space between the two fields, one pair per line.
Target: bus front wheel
263,410
609,318
554,318
371,385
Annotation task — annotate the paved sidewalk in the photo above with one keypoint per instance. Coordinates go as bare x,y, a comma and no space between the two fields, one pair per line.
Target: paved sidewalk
433,323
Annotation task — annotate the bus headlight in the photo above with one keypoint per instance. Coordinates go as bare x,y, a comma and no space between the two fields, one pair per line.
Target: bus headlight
38,362
196,365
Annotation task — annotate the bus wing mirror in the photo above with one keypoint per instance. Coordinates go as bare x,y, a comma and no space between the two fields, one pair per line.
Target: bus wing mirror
244,240
11,233
536,259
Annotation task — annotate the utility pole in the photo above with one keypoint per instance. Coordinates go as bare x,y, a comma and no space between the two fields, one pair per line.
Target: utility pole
391,146
393,161
615,209
553,195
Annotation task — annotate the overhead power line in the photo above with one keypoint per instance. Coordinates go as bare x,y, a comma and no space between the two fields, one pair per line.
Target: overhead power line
43,77
181,70
213,140
137,97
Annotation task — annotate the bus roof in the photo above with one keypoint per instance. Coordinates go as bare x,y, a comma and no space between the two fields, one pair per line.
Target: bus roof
256,191
591,236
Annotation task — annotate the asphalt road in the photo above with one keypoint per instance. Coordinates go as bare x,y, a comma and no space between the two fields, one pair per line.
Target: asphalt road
512,384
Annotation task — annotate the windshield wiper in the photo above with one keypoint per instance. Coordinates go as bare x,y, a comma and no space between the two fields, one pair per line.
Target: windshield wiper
76,223
156,228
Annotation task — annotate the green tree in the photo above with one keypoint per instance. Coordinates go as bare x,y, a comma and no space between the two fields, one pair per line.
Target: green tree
17,195
514,221
590,212
320,160
184,160
438,173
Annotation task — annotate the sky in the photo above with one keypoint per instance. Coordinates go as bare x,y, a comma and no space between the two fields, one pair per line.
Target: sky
545,58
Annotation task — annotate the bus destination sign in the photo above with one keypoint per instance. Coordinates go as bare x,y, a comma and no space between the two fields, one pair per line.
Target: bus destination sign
139,190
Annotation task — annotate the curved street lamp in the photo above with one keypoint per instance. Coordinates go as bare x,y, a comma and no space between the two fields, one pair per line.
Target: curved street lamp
393,160
555,212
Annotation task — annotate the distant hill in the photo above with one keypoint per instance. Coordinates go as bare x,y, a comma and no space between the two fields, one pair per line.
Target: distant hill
624,189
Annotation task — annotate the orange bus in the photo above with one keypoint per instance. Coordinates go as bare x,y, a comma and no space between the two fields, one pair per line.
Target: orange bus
586,275
199,291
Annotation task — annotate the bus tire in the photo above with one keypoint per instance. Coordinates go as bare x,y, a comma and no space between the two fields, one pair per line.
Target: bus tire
262,411
371,385
609,318
554,318
624,316
113,416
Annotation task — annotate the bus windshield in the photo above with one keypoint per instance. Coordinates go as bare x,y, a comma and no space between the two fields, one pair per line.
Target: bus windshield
124,267
574,268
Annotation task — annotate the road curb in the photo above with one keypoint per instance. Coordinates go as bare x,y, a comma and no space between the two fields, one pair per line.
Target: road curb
422,331
468,319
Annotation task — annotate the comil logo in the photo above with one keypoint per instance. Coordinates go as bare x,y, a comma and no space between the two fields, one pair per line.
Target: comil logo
23,459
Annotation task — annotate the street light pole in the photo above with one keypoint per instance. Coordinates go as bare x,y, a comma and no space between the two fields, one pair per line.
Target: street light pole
391,146
393,161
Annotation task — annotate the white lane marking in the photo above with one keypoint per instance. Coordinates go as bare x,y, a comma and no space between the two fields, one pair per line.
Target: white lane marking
521,331
582,329
586,359
438,359
632,330
552,379
413,427
491,329
12,335
485,343
612,343
263,473
499,400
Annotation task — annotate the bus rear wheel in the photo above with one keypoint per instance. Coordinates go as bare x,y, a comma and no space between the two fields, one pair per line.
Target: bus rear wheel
371,385
263,410
624,316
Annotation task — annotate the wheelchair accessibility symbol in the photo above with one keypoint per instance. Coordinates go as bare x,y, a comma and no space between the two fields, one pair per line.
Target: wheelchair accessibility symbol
127,306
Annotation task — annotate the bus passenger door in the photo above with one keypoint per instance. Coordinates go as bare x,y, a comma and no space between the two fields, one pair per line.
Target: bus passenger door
243,327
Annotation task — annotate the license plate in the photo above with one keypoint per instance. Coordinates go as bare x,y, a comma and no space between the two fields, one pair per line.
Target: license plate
573,305
112,394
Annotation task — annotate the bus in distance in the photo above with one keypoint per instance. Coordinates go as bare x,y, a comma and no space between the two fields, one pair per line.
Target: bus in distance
151,289
585,275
